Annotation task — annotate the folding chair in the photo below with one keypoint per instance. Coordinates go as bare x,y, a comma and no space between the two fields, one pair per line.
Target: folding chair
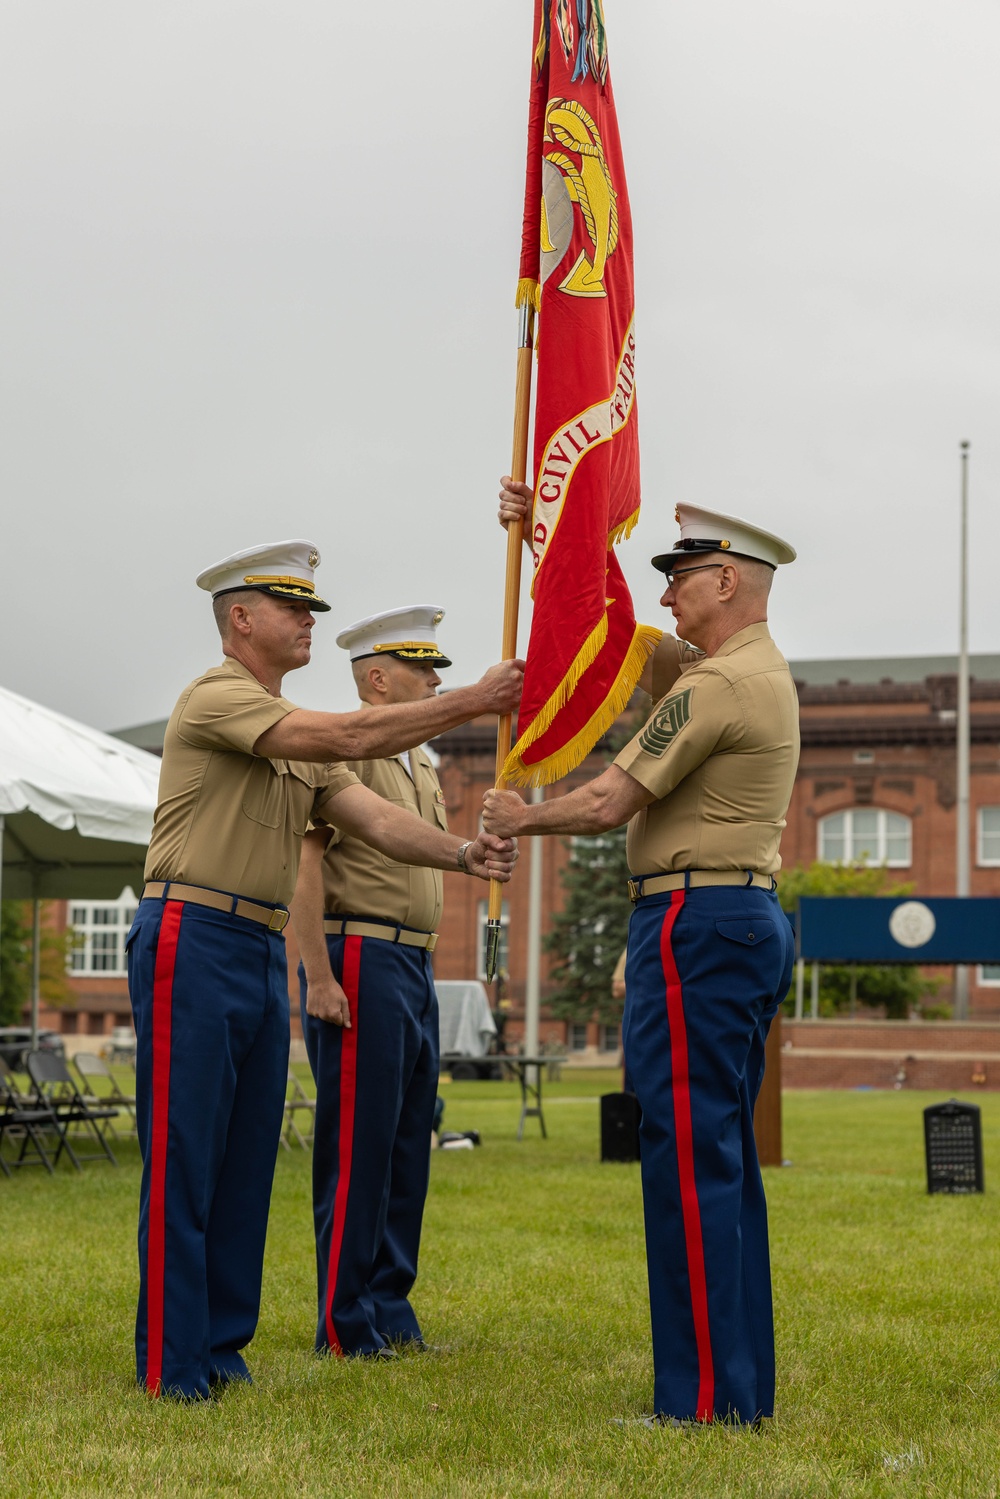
100,1088
53,1086
121,1047
25,1119
297,1100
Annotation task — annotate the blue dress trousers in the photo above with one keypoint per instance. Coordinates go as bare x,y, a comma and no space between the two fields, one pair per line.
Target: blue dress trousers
707,969
376,1086
210,1000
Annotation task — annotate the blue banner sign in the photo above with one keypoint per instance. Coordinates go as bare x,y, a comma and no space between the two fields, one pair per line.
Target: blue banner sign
898,929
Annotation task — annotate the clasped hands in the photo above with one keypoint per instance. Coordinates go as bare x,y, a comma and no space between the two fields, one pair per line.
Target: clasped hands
492,856
503,813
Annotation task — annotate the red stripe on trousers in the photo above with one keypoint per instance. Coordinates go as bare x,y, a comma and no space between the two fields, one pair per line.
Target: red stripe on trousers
163,996
348,1093
690,1208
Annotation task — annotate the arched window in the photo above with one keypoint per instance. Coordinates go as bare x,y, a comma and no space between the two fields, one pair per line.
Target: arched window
866,835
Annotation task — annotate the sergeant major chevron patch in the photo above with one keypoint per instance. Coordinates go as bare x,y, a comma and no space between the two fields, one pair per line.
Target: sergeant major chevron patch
666,723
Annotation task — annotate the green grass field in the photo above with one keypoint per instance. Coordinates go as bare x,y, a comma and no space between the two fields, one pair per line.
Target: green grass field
533,1280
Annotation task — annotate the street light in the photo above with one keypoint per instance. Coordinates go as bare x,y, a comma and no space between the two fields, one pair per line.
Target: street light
961,1007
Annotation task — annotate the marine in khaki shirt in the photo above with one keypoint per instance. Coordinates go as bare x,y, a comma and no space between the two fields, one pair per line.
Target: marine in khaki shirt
719,754
358,879
227,818
704,787
365,924
244,771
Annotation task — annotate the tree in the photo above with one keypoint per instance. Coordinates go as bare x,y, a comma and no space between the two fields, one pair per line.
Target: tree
589,933
898,987
16,920
15,962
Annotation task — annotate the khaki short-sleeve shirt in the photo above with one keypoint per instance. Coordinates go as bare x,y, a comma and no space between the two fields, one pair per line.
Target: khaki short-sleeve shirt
226,818
360,881
670,658
719,752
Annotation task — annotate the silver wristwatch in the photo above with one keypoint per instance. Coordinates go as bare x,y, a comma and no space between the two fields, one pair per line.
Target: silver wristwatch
460,856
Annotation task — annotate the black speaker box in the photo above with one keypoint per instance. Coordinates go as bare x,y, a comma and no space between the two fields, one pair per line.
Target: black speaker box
619,1127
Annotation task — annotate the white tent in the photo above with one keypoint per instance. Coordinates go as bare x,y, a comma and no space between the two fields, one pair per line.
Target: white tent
76,809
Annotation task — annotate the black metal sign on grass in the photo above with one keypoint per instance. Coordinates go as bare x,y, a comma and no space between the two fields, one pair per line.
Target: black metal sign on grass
953,1138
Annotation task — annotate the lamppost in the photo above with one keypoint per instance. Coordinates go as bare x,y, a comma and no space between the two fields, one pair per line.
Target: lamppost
961,1005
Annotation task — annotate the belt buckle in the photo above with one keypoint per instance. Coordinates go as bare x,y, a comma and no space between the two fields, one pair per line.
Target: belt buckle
634,890
278,921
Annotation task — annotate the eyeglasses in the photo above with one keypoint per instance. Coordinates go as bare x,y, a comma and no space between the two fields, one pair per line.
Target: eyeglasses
674,573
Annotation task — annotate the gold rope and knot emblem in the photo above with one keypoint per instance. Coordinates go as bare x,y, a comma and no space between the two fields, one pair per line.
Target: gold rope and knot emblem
586,183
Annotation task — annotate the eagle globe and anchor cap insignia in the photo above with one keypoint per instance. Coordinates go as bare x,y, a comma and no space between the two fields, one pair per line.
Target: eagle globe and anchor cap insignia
666,723
585,181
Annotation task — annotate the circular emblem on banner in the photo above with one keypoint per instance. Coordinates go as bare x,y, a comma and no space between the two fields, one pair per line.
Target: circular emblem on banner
912,924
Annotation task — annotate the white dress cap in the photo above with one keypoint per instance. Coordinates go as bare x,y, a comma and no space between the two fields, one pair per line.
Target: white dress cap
711,531
283,568
410,634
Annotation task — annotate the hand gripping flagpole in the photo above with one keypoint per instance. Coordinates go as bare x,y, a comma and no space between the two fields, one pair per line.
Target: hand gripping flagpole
512,594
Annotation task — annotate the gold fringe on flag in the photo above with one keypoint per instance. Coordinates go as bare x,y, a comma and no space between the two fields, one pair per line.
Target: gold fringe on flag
554,767
542,49
624,529
528,294
585,656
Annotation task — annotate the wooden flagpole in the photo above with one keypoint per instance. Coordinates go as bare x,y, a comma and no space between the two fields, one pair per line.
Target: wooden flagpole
512,593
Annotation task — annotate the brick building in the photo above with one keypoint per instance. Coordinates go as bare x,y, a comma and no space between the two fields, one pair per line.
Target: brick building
876,782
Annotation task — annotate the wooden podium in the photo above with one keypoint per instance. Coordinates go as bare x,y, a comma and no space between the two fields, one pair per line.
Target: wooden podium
767,1114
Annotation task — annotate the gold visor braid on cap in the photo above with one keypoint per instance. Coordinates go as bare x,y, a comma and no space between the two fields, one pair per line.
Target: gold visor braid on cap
407,645
259,578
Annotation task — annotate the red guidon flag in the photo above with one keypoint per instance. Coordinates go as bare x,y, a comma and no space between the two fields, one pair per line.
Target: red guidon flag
586,653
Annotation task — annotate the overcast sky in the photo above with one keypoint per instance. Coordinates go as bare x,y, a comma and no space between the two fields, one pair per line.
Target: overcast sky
256,280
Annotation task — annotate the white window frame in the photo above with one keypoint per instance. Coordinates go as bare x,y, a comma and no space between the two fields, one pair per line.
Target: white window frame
991,982
482,918
573,1027
852,853
991,861
609,1034
99,930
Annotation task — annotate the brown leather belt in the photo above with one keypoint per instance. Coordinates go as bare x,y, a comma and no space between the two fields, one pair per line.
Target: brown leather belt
697,879
233,905
336,926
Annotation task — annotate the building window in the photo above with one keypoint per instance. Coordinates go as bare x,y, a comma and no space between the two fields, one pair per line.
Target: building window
989,975
577,1037
866,835
99,931
609,1038
989,836
482,919
864,757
